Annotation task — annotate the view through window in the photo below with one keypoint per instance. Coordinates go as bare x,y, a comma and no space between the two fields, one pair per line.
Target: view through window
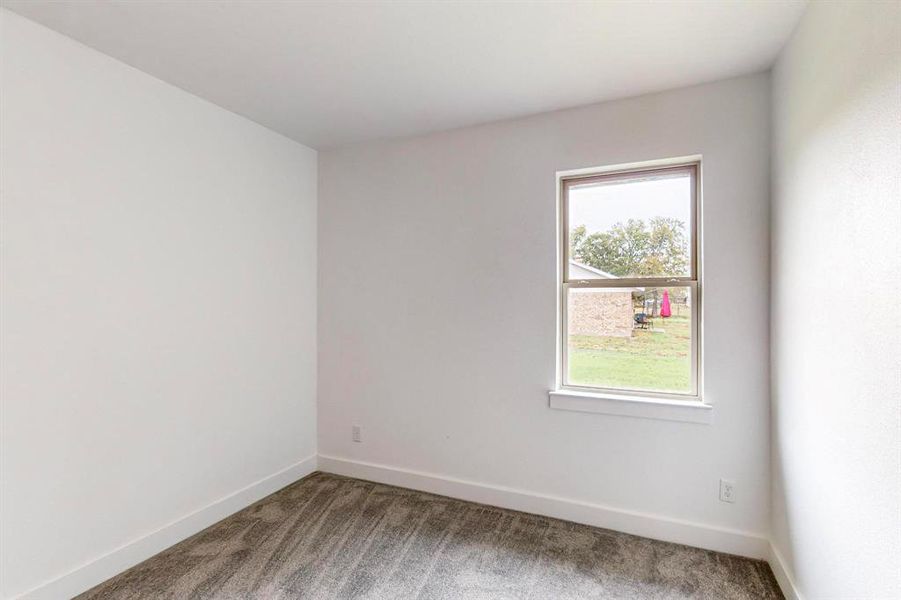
630,281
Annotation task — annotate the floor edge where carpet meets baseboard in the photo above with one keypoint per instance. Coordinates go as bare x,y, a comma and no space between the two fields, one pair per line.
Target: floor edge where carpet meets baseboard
783,574
128,555
642,524
646,525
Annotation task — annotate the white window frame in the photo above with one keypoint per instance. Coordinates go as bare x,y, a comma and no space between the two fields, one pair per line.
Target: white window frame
573,396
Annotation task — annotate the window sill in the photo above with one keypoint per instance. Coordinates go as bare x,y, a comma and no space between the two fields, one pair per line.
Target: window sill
687,411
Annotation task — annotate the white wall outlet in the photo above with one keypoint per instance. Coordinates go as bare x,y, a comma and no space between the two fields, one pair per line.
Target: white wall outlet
727,490
356,433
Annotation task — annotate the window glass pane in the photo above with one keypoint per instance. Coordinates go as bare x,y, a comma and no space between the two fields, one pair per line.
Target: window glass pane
638,226
630,338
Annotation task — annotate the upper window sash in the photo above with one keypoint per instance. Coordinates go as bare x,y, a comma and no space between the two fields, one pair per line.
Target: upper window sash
625,176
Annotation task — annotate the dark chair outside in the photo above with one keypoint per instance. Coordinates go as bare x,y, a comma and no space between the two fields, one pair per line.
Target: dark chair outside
643,321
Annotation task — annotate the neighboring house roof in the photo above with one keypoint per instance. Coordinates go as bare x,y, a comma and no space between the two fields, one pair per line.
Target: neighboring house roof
579,270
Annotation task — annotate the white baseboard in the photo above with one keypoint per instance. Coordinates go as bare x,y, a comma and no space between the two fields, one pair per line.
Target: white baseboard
783,575
99,570
646,525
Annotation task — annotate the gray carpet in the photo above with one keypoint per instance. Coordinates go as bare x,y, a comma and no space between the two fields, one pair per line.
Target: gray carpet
333,537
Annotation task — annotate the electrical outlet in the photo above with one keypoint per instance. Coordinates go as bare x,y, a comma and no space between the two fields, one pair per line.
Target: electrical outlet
356,433
727,490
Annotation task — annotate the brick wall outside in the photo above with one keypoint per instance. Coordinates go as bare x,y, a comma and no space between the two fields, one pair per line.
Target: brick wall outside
603,313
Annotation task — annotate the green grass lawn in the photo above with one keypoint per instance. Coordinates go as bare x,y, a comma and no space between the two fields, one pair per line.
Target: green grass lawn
649,360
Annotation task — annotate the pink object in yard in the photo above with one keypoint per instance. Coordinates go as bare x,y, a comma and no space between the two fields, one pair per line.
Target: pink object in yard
664,306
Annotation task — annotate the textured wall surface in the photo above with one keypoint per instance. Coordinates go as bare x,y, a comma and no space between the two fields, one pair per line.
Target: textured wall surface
446,375
836,268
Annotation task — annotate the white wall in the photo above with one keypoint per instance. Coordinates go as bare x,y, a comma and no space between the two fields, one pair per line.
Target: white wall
836,265
437,300
158,304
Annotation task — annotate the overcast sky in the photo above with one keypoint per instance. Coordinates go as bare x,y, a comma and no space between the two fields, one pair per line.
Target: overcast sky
599,207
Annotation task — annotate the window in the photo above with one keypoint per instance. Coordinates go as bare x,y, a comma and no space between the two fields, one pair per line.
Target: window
630,287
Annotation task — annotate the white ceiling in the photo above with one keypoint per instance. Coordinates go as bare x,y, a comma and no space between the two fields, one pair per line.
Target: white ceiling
333,73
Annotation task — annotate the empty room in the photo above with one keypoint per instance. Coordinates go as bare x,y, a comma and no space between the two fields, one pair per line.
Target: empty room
450,299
